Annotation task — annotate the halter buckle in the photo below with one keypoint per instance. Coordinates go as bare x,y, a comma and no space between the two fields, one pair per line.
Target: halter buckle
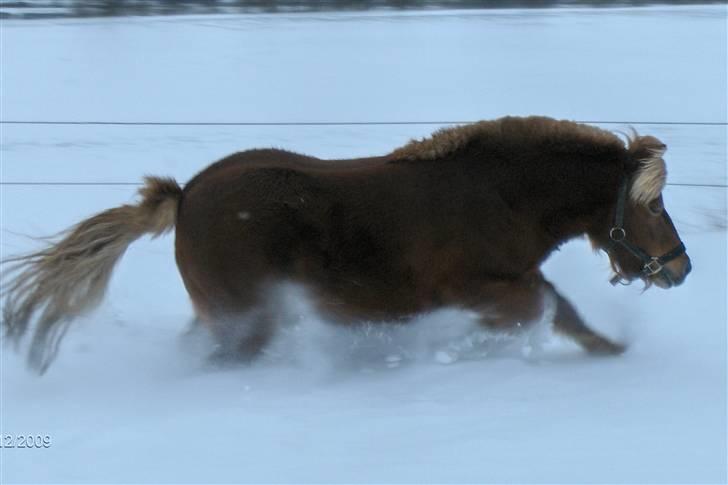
617,234
653,267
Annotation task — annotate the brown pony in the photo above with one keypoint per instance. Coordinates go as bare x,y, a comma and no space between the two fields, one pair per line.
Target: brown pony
461,219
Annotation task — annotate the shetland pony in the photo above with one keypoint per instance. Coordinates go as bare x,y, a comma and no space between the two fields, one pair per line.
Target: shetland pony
463,219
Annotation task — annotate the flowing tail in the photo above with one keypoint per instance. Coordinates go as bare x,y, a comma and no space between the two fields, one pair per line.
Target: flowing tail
69,277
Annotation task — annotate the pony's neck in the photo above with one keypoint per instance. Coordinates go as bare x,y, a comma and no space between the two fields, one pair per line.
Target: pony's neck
565,199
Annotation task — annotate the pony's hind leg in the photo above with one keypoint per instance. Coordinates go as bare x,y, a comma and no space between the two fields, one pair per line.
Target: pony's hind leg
242,338
568,322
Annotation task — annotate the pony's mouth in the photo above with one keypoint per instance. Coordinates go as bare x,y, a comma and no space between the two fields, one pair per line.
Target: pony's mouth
664,278
648,280
660,281
667,279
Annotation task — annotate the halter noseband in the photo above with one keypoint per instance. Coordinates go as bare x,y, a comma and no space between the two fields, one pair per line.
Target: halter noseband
651,265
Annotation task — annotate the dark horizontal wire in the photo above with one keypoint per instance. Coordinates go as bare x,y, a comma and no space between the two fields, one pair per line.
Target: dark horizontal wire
330,123
138,184
715,186
73,183
304,123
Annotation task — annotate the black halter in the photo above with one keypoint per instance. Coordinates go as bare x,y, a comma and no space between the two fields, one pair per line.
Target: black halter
651,265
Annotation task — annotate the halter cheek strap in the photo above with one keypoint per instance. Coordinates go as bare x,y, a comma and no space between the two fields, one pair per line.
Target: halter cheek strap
651,265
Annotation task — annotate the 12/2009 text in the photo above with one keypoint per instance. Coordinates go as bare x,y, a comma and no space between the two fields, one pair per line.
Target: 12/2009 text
27,441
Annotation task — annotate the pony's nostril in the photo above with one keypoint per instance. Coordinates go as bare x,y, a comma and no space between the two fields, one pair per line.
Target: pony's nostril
686,271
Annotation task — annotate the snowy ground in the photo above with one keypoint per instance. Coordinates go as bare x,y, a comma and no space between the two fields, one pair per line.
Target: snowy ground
131,400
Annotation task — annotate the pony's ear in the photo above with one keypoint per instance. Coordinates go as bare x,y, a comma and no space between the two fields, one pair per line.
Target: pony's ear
648,167
642,148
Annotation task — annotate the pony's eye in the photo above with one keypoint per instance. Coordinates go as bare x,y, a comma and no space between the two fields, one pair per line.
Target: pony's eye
656,206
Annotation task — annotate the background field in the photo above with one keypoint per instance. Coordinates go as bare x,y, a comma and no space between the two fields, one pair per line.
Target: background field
131,400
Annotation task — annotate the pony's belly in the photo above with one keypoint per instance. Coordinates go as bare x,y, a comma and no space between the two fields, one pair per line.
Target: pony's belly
354,304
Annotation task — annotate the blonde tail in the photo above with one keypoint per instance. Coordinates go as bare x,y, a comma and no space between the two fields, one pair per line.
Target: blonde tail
70,277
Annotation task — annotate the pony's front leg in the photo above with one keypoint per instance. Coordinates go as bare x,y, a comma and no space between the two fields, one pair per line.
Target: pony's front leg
568,322
510,305
514,305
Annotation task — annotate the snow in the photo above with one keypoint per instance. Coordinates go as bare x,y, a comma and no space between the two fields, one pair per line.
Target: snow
131,397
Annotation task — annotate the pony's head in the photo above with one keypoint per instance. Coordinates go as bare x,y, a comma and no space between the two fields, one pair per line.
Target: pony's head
639,237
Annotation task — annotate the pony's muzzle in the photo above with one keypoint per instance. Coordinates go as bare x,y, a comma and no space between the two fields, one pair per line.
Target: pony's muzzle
674,273
687,268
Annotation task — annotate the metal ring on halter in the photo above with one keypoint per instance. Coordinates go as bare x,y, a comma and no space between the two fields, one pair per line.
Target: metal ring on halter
617,230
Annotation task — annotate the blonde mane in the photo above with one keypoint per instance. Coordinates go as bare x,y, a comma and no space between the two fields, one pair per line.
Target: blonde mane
651,175
516,130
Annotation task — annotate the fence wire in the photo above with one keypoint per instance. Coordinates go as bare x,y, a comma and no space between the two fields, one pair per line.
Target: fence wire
312,123
330,123
139,184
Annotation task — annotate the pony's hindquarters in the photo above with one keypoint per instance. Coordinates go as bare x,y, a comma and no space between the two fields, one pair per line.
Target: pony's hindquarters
69,277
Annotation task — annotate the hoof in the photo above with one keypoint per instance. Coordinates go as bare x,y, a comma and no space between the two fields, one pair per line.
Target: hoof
226,358
604,347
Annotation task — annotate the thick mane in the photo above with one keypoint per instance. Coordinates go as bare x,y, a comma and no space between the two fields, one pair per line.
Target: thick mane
513,131
651,173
